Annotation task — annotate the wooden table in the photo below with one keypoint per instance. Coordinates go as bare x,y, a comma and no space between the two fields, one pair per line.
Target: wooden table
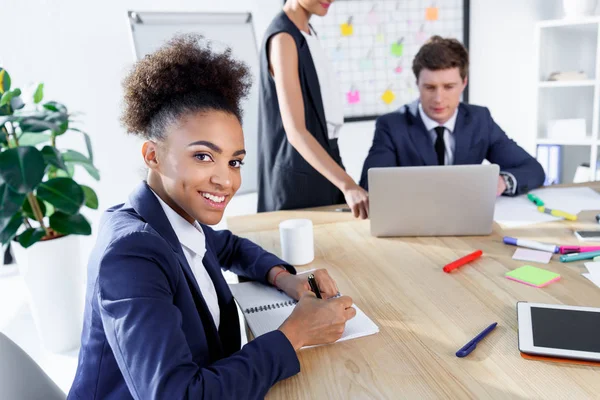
425,315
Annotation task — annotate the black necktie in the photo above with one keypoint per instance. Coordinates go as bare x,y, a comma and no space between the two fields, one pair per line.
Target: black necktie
440,148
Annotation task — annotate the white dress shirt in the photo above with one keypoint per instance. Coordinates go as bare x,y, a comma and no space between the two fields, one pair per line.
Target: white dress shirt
450,144
329,85
193,243
449,140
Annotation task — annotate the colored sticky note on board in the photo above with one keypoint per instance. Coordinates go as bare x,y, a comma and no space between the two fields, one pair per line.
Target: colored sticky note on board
347,29
397,49
431,13
373,18
421,37
533,276
388,96
353,96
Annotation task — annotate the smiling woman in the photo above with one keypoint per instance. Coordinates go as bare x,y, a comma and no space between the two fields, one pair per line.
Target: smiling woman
160,320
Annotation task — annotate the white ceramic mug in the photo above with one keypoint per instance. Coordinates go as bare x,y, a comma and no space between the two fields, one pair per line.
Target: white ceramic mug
297,241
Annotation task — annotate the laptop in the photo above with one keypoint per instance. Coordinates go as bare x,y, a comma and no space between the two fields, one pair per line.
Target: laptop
452,200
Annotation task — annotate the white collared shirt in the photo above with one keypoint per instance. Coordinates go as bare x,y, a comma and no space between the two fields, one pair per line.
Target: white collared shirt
193,243
449,140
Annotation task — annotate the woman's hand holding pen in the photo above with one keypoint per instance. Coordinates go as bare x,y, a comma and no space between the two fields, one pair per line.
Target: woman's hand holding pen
357,199
315,321
295,285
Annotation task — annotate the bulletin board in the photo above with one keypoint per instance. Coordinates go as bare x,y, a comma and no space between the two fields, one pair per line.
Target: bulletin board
372,43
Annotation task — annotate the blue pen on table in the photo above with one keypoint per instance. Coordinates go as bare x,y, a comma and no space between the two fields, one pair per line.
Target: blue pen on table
469,347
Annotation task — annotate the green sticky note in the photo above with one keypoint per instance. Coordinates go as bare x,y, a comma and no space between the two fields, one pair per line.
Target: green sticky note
397,49
533,276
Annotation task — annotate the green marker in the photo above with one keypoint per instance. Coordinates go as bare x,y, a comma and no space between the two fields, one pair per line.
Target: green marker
538,202
588,255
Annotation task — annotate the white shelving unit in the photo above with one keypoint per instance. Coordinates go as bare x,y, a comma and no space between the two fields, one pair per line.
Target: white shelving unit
569,45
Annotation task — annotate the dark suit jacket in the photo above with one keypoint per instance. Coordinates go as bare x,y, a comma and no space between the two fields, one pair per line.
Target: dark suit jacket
148,333
286,181
401,140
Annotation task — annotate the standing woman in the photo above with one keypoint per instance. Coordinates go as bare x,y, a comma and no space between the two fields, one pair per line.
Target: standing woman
300,118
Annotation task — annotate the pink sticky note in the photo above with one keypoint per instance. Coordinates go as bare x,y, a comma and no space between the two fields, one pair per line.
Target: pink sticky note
372,18
398,69
421,37
353,96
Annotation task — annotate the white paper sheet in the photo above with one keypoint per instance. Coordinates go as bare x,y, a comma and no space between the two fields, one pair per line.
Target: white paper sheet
593,268
519,211
594,279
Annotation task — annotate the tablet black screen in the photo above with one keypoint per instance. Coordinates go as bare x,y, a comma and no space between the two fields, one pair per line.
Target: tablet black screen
566,329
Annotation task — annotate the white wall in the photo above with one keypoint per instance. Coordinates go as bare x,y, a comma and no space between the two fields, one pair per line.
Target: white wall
82,51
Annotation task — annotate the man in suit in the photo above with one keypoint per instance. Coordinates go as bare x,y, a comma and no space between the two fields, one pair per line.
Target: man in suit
437,129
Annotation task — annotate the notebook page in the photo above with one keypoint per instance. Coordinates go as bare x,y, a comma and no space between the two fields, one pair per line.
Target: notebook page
250,295
255,294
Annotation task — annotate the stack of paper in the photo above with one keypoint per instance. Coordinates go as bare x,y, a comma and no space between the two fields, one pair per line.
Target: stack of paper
593,273
518,211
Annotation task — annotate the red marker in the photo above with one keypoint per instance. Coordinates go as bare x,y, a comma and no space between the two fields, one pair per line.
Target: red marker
462,261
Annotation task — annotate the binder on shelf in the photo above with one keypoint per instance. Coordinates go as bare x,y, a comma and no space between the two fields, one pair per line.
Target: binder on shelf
549,156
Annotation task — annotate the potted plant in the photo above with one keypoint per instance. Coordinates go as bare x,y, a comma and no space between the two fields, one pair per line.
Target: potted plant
40,207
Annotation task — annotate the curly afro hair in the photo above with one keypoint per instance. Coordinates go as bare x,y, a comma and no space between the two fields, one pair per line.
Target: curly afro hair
182,77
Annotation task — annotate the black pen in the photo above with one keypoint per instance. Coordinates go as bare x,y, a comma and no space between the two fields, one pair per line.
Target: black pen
312,282
343,210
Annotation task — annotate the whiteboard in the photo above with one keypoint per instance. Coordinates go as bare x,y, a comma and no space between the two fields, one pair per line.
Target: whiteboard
372,43
150,30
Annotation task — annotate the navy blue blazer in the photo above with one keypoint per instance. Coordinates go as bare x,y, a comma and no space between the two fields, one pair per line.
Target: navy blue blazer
148,333
401,140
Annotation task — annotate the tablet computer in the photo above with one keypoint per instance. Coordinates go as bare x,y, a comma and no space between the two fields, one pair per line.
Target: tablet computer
554,330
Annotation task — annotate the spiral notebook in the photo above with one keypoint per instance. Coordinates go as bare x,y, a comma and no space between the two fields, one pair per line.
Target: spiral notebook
265,308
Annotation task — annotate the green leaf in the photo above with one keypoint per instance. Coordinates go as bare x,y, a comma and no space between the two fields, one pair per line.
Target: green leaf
88,143
10,201
22,168
34,125
63,193
54,106
75,156
49,209
31,236
94,173
70,224
54,172
4,81
53,157
29,212
9,228
38,95
71,156
33,139
91,199
8,96
6,110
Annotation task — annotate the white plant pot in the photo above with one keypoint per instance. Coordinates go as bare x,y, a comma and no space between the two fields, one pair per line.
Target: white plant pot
579,8
53,274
